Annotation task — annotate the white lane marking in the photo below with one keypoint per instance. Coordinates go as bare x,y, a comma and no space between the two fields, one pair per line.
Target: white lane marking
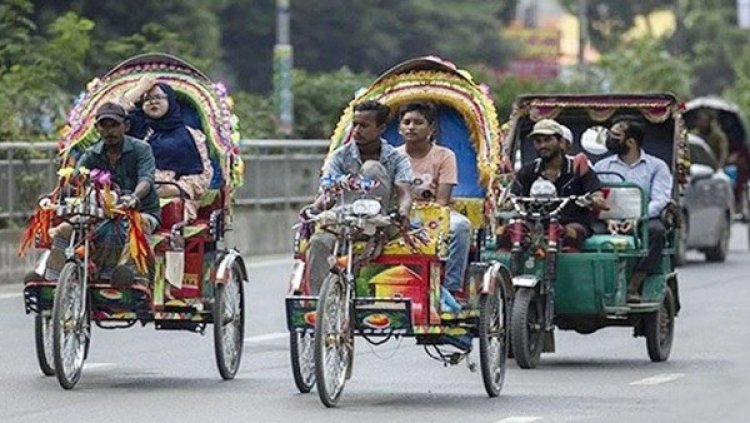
519,419
11,295
92,366
658,379
266,337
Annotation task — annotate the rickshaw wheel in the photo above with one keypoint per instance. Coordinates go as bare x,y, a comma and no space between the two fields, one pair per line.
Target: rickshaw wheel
229,323
493,340
43,338
526,328
659,329
301,346
70,327
332,341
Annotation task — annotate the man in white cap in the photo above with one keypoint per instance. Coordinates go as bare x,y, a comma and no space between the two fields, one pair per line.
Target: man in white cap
553,165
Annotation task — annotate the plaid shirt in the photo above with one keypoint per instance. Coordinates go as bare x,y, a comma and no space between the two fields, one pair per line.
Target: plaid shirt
346,161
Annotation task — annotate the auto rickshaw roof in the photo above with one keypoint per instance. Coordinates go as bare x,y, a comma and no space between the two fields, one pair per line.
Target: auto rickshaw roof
731,118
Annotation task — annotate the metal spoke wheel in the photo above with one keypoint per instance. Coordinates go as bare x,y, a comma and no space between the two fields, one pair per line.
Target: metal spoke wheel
493,340
527,328
43,338
229,323
303,362
659,329
70,325
333,340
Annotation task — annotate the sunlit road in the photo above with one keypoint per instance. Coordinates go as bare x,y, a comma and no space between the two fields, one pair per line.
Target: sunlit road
143,375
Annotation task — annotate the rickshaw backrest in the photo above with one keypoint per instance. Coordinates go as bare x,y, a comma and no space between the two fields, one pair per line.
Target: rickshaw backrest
625,201
454,134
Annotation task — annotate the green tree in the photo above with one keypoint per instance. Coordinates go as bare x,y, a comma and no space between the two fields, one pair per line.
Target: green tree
608,20
34,66
646,65
319,99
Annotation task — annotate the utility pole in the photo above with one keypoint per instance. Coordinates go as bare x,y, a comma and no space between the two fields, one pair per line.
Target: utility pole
583,34
282,70
743,14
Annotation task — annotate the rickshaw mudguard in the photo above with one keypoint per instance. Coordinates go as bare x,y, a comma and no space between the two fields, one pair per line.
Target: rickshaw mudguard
525,281
225,262
496,272
298,277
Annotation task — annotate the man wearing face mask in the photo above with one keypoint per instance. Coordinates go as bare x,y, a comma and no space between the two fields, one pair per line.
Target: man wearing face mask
553,165
652,174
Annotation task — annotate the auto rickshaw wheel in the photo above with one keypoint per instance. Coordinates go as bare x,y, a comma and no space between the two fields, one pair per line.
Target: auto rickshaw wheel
301,346
43,338
718,253
70,325
333,339
493,340
659,328
229,323
527,328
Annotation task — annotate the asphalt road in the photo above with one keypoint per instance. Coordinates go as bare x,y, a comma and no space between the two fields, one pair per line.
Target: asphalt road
140,374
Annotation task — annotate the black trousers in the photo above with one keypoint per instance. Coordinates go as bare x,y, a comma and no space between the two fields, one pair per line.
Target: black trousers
657,238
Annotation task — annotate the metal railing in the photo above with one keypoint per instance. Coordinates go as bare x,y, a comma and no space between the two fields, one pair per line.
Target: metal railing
277,173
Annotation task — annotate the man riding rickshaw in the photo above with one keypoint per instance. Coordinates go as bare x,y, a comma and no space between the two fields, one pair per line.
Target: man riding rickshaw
387,269
623,273
134,230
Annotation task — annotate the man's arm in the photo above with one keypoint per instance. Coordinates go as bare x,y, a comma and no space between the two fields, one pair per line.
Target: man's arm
146,170
661,189
521,184
332,166
591,184
402,180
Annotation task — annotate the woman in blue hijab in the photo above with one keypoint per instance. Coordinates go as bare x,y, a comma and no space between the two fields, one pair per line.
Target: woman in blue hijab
180,151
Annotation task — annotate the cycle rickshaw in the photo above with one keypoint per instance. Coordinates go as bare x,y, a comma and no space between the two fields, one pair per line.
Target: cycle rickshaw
194,279
586,290
382,290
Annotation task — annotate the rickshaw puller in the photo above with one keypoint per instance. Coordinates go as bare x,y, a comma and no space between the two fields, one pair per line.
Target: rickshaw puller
131,164
371,157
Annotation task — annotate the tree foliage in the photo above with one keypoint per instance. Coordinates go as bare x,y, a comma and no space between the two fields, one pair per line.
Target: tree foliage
35,66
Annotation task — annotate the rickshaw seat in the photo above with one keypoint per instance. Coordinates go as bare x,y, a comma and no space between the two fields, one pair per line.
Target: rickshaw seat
606,242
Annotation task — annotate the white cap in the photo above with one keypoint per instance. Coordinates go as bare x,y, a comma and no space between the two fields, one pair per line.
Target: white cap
567,134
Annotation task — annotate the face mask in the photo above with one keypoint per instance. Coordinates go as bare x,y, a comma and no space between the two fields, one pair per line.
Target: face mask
615,145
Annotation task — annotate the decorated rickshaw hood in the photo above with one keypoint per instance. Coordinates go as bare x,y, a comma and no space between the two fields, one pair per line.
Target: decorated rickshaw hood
431,78
211,101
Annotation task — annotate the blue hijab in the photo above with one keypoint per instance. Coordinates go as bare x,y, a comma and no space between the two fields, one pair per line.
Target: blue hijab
173,146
